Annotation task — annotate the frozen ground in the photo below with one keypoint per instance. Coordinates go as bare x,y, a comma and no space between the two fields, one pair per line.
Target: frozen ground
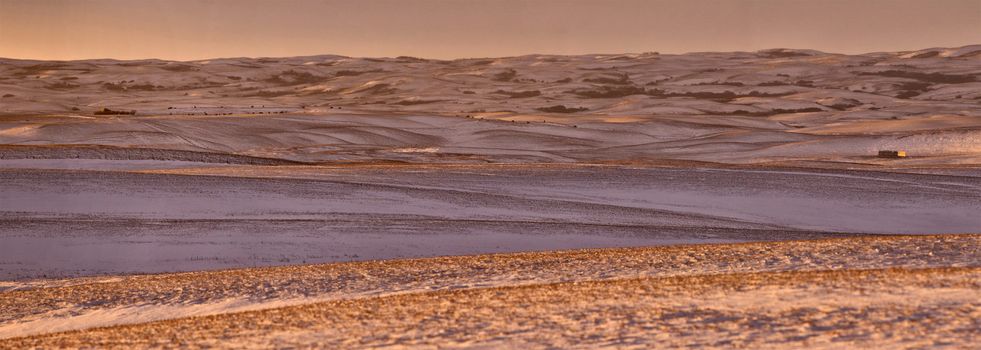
771,310
60,223
273,166
772,106
895,291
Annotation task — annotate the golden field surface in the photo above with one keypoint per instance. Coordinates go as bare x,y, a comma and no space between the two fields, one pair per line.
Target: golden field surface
892,291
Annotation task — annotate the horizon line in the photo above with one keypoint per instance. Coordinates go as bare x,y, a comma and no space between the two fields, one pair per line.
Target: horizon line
473,58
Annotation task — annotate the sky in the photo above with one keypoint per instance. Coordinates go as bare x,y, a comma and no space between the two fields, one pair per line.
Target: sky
200,29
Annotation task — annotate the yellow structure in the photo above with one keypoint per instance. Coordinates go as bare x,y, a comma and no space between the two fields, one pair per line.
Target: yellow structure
892,154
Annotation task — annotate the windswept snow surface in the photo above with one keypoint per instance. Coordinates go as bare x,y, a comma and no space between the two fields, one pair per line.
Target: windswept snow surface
753,173
69,222
730,107
267,161
833,293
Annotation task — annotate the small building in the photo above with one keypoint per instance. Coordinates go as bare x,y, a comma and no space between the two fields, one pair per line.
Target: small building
892,154
107,111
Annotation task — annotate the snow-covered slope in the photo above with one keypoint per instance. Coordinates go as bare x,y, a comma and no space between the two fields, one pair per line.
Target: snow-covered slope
771,105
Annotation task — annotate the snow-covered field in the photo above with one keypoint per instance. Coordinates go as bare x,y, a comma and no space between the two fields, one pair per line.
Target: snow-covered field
277,197
897,292
60,223
737,107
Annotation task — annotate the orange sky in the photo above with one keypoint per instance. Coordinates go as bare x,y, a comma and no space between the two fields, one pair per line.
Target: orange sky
195,29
